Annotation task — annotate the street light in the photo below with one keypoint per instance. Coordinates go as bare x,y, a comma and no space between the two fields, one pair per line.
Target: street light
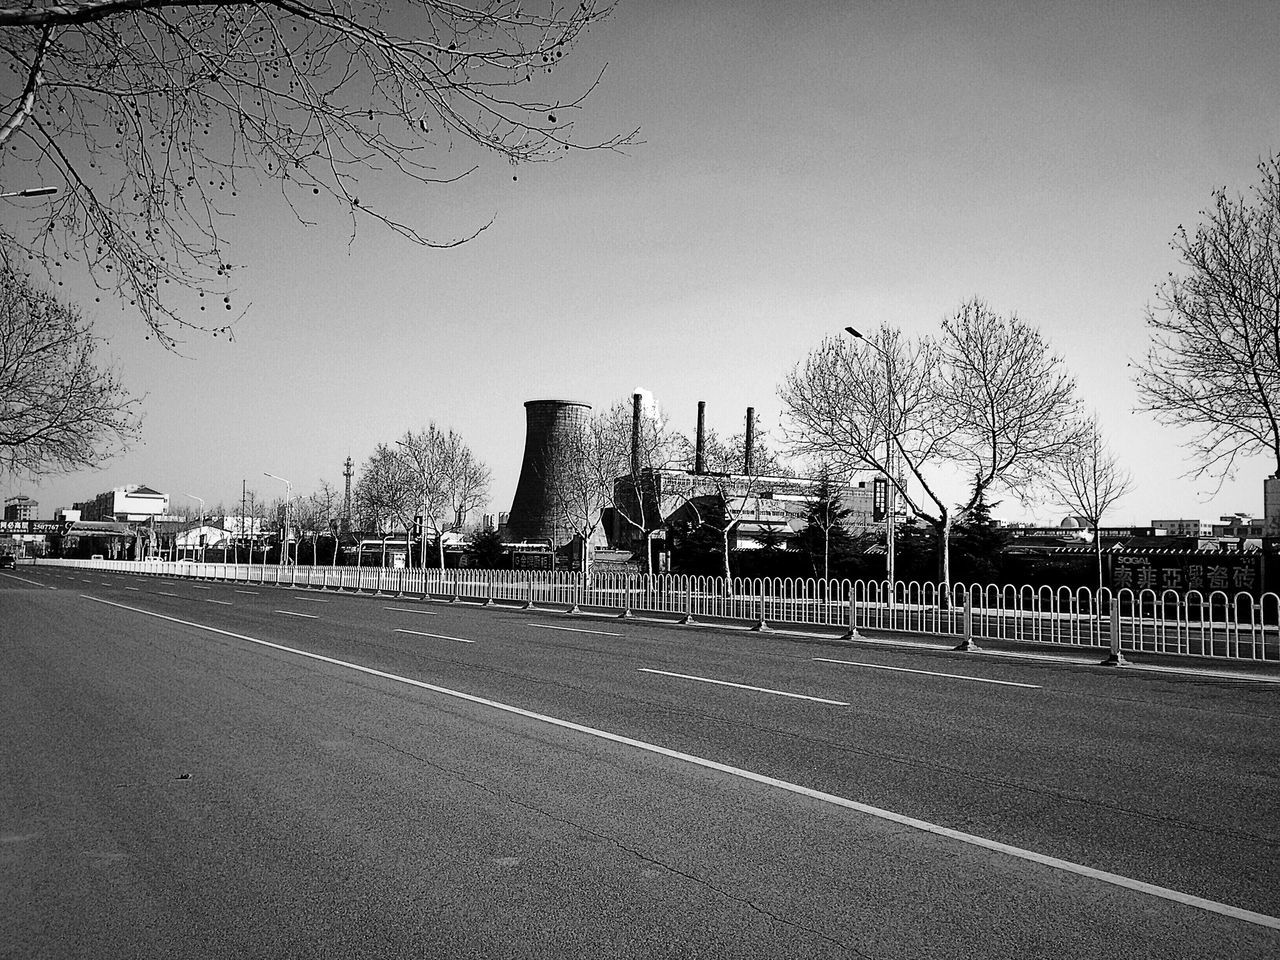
30,192
201,534
288,495
891,492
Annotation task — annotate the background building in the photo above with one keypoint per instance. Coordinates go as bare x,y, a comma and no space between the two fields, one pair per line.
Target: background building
133,503
1184,528
21,507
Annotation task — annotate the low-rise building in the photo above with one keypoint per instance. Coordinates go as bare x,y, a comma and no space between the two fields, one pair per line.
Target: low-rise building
1184,528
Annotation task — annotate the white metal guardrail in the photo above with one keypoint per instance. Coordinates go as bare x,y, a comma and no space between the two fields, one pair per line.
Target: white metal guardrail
1215,624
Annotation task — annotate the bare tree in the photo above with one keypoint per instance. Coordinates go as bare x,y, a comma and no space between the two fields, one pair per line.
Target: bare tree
637,448
579,471
446,480
985,398
157,116
384,493
60,408
327,506
1214,364
1008,407
1088,481
735,483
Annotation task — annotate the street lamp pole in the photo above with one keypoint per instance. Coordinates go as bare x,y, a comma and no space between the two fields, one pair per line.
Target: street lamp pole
891,491
30,192
284,534
201,534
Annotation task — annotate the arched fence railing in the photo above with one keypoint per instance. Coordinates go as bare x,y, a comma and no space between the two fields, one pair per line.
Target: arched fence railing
1216,624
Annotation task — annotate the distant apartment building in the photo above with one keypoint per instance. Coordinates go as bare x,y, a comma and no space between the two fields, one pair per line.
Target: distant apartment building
133,503
21,507
1184,528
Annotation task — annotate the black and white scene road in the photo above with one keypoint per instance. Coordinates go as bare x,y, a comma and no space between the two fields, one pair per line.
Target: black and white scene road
639,479
215,769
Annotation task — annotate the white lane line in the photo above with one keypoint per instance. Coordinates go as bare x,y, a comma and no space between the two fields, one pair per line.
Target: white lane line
1115,879
252,593
310,600
743,686
434,636
83,580
429,613
548,626
34,583
163,594
134,589
198,586
928,673
225,603
290,613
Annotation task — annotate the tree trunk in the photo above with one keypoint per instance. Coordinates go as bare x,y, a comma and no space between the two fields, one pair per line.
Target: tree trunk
944,556
1097,549
440,542
724,540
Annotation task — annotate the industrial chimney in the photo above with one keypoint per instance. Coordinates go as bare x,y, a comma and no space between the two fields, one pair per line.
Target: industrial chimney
749,454
548,425
700,443
636,401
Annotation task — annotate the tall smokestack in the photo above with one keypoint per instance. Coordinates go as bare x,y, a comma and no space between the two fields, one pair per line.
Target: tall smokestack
748,457
700,444
636,400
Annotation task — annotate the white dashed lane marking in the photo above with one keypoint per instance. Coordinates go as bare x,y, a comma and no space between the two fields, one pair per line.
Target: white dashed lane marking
434,636
928,673
743,686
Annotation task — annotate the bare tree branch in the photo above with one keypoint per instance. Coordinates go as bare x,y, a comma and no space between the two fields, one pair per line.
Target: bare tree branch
1214,364
60,409
156,115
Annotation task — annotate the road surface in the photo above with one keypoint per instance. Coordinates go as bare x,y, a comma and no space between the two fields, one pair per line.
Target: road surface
208,770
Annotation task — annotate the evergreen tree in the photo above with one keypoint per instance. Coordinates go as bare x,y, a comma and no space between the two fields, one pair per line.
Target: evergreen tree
825,539
980,554
486,550
695,536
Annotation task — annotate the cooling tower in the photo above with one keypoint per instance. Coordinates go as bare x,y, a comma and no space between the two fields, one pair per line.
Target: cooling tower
548,423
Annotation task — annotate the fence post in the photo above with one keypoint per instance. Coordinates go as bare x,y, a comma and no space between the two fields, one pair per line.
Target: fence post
762,625
1116,658
852,633
966,619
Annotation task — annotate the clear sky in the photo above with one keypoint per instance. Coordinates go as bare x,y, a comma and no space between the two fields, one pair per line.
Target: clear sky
805,166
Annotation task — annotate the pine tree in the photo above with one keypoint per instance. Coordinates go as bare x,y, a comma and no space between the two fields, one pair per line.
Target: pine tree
825,539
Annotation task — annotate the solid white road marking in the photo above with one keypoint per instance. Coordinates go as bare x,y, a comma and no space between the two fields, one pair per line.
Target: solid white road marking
743,686
429,613
434,636
34,583
549,626
929,673
290,613
1115,879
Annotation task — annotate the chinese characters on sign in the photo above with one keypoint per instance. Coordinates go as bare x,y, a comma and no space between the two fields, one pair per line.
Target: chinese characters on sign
1205,575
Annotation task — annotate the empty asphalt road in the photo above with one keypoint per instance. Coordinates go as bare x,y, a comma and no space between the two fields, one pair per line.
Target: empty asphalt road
207,769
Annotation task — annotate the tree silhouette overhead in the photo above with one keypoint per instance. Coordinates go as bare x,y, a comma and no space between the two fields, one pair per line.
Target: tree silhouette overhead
155,117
